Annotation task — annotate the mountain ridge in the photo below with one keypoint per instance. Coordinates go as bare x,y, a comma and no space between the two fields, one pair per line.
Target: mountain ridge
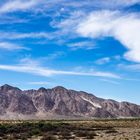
59,102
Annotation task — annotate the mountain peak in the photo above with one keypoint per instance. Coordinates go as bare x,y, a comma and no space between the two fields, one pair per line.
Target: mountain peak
42,89
7,87
59,88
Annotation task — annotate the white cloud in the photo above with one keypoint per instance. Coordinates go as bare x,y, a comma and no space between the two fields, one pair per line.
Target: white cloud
130,67
116,3
90,4
9,20
102,61
124,28
80,45
110,81
27,61
39,83
16,35
68,26
55,5
11,46
17,5
126,2
43,71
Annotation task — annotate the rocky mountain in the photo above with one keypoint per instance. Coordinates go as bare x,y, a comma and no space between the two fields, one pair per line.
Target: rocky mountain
60,102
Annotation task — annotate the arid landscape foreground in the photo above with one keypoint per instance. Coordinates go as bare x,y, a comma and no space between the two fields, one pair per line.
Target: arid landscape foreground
100,129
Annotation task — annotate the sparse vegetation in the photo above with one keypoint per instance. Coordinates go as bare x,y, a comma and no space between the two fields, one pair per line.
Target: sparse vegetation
68,130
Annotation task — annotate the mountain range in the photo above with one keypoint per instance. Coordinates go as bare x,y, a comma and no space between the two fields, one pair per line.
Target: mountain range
60,103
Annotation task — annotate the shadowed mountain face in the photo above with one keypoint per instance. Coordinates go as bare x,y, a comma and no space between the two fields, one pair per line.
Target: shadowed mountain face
59,102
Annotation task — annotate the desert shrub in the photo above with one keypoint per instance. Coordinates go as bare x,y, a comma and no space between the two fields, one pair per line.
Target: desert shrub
81,133
111,131
91,135
87,134
41,124
48,137
47,127
2,129
35,132
65,134
25,135
67,137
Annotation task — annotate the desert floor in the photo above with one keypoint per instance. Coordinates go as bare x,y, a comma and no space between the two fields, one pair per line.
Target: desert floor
101,129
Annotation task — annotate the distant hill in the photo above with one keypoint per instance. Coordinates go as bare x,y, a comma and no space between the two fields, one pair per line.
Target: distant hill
60,103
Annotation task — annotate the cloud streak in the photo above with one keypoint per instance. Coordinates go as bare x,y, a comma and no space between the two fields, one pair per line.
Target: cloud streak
40,83
41,5
130,67
42,71
110,81
102,61
19,35
17,5
10,46
82,45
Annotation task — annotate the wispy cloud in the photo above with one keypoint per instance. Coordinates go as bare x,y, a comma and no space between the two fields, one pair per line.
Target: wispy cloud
130,67
110,81
40,83
66,27
118,3
17,5
43,71
6,19
19,35
82,45
28,60
10,46
103,60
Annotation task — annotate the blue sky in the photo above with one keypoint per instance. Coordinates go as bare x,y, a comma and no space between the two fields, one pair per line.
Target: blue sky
89,45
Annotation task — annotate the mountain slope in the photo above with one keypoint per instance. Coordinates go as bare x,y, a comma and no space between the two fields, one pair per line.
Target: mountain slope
59,102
